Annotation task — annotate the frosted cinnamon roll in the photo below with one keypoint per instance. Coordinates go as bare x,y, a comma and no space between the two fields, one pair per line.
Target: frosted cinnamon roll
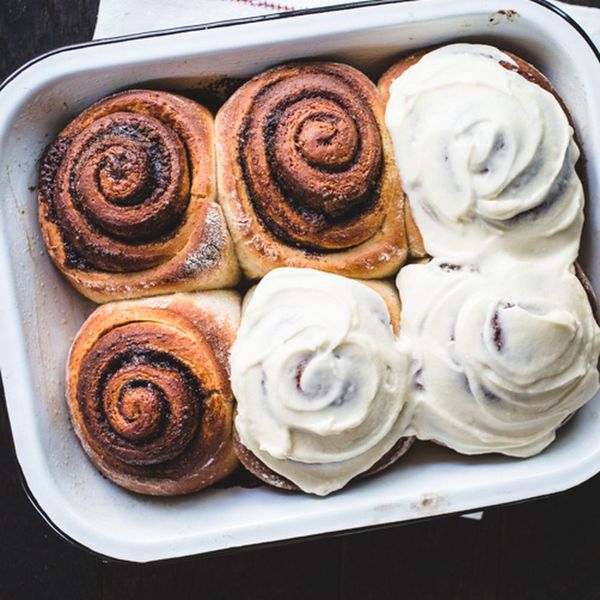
501,358
307,175
486,154
127,199
148,391
319,380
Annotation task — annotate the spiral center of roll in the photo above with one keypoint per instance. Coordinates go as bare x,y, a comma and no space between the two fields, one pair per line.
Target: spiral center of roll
123,173
314,148
329,141
138,413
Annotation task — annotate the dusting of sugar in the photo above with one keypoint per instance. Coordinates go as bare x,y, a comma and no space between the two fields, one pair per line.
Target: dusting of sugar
220,319
158,301
244,223
267,250
207,256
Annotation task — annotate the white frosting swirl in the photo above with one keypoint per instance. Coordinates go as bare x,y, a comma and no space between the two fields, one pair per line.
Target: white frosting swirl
486,157
319,379
500,361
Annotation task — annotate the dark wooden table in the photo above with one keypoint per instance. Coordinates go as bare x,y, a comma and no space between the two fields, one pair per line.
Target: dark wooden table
543,549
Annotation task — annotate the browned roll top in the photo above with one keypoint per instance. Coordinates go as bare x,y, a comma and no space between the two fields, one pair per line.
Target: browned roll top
128,187
311,154
307,175
124,180
149,394
137,399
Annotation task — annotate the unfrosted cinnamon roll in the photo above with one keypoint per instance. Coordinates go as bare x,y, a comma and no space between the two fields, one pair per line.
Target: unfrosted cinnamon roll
503,354
149,394
319,380
486,154
306,173
127,199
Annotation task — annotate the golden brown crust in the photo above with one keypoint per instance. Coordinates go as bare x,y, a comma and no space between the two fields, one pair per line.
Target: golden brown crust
148,391
523,68
306,173
392,300
416,248
127,199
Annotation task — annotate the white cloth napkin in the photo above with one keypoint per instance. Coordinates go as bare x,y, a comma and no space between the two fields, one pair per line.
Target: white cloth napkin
122,17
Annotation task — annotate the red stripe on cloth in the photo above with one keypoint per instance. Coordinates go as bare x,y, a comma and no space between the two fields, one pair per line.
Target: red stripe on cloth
264,4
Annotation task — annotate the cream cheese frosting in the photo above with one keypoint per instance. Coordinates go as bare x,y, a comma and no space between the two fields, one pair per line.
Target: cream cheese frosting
502,355
487,158
319,378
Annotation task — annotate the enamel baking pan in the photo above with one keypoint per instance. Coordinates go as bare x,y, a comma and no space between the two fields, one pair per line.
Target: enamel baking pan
40,313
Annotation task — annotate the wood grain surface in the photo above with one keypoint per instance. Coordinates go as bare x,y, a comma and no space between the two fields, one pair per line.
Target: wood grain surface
545,549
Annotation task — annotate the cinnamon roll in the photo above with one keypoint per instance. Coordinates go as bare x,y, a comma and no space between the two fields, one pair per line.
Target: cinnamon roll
306,173
320,381
486,153
148,391
502,355
127,199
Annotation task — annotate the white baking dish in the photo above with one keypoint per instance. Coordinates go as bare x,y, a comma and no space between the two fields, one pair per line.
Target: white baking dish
40,313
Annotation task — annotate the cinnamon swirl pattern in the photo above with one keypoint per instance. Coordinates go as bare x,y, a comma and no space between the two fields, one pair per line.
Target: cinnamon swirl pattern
501,358
306,173
149,394
486,154
319,380
126,199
